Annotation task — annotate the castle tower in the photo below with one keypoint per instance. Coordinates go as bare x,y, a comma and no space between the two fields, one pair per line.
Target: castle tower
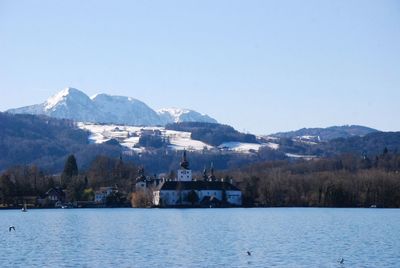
212,176
184,173
205,176
184,162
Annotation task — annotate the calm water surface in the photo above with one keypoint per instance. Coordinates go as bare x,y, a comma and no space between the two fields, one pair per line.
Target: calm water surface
277,237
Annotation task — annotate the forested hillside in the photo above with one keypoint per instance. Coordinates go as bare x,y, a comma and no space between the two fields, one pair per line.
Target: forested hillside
44,141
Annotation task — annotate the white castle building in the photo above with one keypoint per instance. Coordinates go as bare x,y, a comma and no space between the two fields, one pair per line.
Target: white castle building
185,191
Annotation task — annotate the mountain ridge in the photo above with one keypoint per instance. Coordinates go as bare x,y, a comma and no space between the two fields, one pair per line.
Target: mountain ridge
74,104
326,134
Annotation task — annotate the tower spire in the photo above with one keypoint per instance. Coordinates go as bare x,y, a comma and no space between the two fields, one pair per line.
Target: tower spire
184,163
212,176
205,174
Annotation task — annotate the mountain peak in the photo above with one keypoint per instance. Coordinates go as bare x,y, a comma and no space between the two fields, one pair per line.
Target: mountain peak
61,96
177,115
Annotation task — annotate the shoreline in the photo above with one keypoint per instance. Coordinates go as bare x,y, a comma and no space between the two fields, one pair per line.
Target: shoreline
188,207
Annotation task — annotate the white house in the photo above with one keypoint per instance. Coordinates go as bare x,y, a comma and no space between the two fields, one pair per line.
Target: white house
102,194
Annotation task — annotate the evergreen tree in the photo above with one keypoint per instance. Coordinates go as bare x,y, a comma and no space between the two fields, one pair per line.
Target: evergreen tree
70,167
70,170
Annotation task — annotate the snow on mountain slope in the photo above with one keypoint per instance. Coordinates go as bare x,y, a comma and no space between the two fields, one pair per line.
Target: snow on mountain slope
177,115
181,140
73,104
125,110
273,146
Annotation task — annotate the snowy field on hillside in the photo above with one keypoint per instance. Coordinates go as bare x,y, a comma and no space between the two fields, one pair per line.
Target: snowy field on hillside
128,136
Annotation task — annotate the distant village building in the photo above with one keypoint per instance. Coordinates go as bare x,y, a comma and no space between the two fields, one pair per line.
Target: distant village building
150,132
185,191
55,194
102,194
54,197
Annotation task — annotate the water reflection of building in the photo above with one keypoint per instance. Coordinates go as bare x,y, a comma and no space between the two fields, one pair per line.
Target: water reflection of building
186,191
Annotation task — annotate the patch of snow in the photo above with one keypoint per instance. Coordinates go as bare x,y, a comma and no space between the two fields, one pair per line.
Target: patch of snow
240,146
308,139
306,157
272,145
180,140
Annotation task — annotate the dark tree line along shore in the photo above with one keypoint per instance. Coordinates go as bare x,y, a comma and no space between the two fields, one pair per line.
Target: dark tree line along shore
344,181
27,183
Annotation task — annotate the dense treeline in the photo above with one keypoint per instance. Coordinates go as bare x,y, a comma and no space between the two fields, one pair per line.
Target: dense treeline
26,184
212,133
18,183
152,141
345,181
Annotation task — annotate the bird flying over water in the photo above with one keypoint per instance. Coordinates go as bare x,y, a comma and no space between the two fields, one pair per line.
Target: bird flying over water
11,228
341,261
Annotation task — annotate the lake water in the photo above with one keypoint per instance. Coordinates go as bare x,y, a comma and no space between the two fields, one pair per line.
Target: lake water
276,237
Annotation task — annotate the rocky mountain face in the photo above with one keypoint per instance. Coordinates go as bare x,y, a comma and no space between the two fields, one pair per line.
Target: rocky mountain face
73,104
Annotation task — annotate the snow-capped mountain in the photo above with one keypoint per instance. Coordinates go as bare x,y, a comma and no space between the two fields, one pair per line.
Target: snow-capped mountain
178,115
72,103
69,103
125,110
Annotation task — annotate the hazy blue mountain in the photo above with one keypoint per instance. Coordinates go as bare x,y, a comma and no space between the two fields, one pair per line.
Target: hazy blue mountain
326,134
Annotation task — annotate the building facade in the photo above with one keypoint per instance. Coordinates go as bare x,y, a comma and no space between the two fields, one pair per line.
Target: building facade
186,191
102,194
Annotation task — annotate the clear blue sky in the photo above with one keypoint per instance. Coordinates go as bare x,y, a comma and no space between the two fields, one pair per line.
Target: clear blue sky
261,66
